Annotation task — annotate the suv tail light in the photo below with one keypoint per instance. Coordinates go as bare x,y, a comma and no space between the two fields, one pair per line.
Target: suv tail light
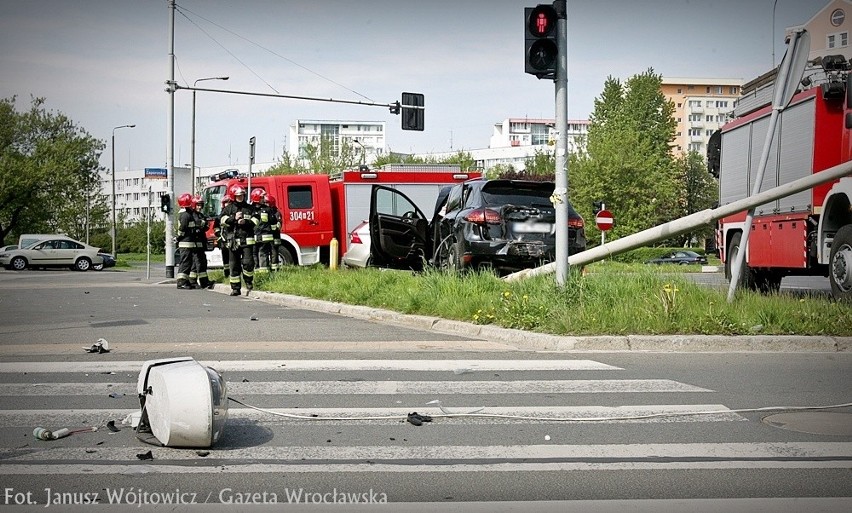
484,216
576,222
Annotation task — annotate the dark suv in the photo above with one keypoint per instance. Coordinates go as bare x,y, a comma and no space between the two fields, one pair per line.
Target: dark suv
506,225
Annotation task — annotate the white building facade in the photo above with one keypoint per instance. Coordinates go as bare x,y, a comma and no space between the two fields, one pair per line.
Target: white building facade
366,138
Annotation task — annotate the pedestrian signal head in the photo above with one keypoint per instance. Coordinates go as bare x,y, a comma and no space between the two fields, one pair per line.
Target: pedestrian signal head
185,200
257,195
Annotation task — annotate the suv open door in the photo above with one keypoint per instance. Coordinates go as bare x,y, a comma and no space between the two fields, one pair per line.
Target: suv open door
399,232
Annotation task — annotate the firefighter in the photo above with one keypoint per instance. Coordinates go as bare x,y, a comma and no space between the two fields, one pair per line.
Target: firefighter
199,256
238,224
276,232
266,231
186,240
256,200
220,237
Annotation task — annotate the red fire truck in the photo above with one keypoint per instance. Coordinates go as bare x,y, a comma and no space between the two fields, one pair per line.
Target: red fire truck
317,208
807,233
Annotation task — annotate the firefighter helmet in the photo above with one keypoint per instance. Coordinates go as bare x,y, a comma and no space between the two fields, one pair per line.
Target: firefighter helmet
197,201
257,195
236,190
270,200
185,200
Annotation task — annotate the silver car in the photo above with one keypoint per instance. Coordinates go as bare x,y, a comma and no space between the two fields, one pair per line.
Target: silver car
358,250
55,251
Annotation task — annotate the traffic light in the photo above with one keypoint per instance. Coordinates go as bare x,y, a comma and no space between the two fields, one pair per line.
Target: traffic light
540,49
412,117
166,203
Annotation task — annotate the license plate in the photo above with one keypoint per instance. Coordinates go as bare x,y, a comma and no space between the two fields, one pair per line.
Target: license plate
532,227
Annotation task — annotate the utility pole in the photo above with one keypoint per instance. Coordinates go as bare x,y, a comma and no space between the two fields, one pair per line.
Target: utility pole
170,147
560,192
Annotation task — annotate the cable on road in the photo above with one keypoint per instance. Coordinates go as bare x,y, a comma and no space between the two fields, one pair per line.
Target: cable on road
478,414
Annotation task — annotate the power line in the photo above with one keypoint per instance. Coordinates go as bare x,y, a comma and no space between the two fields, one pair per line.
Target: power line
267,50
246,66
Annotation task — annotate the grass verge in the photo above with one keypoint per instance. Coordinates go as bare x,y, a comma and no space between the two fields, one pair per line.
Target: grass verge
607,300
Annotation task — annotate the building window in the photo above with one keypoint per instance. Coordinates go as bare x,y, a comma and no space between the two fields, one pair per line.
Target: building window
679,90
722,104
837,40
734,90
708,118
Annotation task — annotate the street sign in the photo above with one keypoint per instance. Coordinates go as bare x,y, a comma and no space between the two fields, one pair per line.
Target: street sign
604,220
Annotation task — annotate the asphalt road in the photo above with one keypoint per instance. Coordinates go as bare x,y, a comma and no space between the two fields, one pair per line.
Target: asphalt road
528,430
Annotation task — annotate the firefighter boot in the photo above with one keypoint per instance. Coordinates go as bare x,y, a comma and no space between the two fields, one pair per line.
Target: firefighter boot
235,292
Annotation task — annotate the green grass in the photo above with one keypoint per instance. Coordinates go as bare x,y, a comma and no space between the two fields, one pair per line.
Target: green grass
608,299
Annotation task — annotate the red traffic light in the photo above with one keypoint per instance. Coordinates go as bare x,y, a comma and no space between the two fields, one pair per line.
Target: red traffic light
542,20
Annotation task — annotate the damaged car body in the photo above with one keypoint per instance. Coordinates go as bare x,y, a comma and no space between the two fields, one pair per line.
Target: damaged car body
505,225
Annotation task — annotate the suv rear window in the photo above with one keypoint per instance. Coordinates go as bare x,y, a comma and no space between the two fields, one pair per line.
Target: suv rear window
511,194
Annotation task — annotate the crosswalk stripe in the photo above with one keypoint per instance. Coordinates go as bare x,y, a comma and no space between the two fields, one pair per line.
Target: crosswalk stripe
680,413
774,455
580,386
455,366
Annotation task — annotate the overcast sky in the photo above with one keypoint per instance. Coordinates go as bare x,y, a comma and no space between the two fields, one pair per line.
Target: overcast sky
104,64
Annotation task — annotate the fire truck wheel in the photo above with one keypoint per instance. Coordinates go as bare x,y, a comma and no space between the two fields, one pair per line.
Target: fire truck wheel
840,264
284,256
747,276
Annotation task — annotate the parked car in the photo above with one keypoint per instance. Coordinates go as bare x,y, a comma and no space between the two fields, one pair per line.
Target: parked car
680,257
358,250
8,248
54,251
108,261
506,225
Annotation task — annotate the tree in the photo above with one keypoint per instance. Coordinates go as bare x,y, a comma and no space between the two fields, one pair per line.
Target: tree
327,157
48,169
700,191
626,161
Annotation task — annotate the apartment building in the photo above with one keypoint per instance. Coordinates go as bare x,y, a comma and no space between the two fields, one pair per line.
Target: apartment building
702,106
365,137
829,30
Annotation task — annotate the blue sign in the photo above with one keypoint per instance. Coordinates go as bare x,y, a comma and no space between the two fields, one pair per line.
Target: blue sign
156,172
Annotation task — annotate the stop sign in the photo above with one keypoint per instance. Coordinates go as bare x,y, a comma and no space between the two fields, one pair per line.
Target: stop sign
604,220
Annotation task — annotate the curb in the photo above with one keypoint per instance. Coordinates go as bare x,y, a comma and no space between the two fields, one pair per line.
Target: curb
530,341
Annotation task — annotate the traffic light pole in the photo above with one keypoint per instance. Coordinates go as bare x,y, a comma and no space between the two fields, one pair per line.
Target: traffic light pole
560,193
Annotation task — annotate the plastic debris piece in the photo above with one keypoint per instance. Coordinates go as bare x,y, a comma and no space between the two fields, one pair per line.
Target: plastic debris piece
101,346
111,426
146,456
132,419
253,318
547,437
203,454
42,434
116,395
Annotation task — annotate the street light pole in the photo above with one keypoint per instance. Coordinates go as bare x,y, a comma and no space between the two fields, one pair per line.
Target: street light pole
112,229
192,151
